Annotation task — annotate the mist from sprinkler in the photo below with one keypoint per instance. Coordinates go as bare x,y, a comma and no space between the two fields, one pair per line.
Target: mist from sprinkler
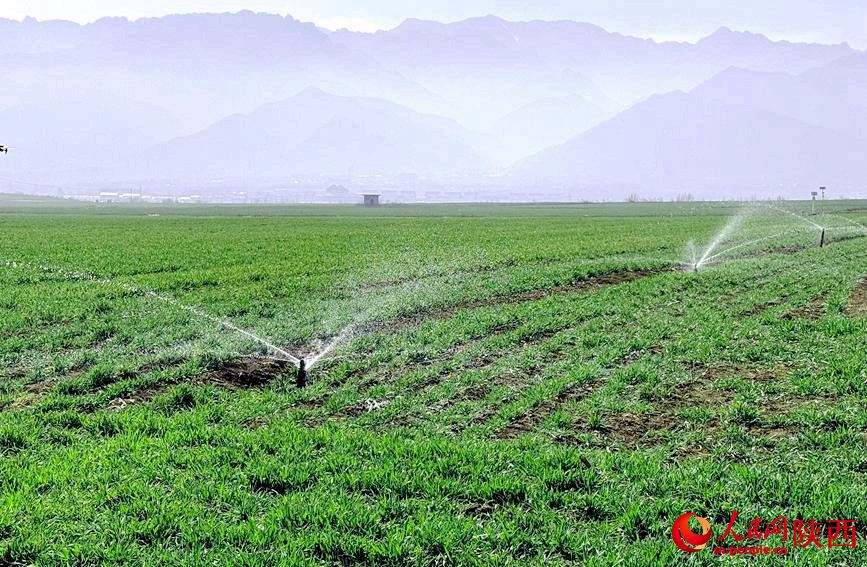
342,338
77,275
854,222
709,255
797,216
691,254
710,259
303,364
222,322
721,237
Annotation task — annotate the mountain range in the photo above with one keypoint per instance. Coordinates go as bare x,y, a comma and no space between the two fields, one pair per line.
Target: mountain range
264,98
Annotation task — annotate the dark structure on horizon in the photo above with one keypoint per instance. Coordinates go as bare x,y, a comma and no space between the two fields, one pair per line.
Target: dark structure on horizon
371,200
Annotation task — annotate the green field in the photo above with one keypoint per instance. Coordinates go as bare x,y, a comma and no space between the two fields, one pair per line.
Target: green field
511,385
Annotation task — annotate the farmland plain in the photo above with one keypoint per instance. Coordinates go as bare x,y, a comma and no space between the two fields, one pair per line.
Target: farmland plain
514,384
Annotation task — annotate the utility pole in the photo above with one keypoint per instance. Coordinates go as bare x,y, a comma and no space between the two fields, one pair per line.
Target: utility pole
822,208
813,202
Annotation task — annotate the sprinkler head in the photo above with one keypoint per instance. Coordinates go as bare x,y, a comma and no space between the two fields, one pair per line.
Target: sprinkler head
301,377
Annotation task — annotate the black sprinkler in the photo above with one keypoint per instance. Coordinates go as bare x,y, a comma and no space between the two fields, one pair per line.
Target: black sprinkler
301,378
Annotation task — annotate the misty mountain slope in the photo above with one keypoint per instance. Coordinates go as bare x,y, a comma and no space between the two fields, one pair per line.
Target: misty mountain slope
203,66
205,40
524,85
758,52
318,133
31,36
542,123
490,50
832,96
53,135
684,140
496,42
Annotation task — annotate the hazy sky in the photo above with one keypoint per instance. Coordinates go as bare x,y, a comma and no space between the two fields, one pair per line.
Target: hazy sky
798,20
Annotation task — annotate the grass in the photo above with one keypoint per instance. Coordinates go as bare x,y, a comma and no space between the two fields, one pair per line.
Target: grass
527,384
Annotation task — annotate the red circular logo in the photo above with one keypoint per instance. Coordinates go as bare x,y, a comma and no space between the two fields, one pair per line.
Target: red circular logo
685,538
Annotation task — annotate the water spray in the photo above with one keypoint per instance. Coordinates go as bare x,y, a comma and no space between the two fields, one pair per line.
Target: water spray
169,300
222,322
709,254
854,222
721,237
797,216
751,242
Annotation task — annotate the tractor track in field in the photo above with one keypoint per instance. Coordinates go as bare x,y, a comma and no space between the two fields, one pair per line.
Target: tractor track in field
252,372
515,379
576,392
649,429
583,285
462,272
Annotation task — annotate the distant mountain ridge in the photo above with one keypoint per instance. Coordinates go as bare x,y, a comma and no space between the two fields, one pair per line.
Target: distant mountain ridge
316,133
695,141
206,96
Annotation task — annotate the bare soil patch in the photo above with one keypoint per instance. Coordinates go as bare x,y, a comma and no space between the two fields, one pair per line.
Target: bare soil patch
643,430
857,306
245,373
810,312
531,420
636,430
696,394
242,374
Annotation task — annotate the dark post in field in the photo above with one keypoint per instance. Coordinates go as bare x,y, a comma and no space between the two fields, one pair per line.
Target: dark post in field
301,378
822,239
